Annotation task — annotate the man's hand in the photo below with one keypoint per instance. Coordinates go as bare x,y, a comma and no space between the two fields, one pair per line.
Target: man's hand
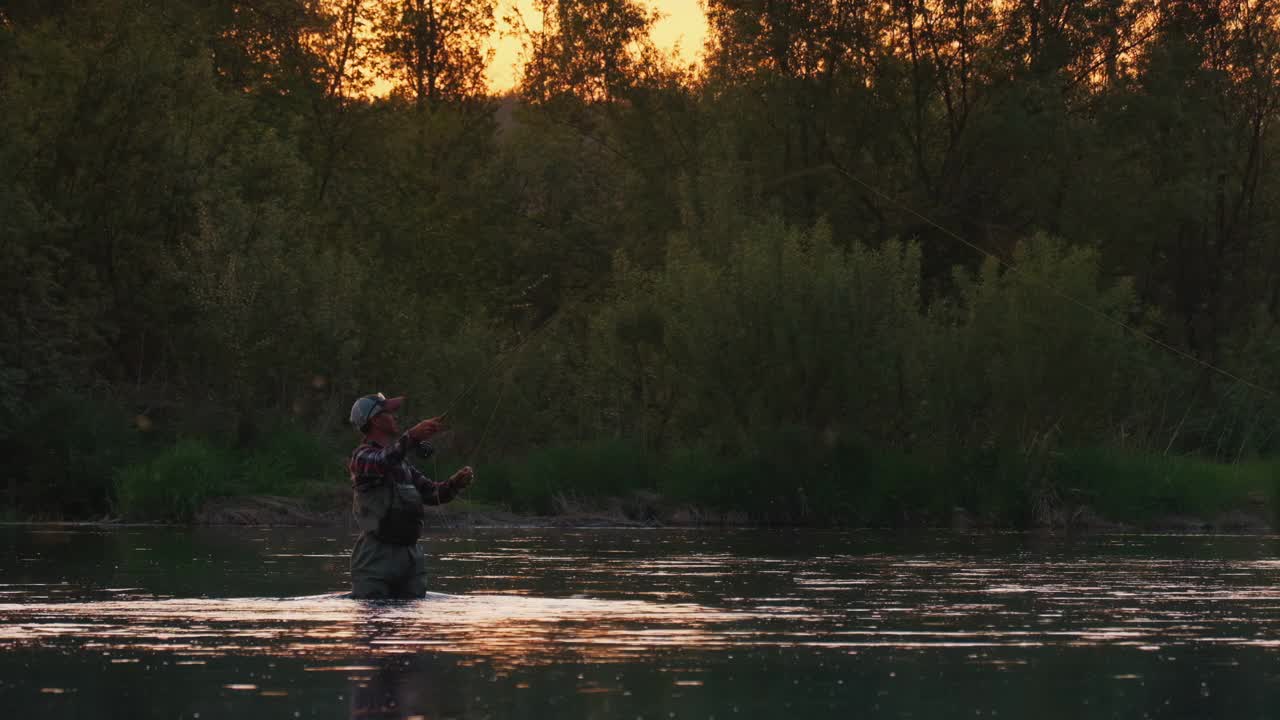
462,478
425,429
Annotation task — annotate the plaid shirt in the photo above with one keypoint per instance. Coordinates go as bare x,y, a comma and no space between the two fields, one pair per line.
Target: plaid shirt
372,462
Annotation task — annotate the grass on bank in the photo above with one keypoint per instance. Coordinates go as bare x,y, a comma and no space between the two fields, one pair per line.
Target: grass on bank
854,486
1145,488
175,483
845,485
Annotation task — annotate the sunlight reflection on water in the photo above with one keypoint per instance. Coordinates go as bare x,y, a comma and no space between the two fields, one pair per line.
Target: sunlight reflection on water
838,601
508,628
684,623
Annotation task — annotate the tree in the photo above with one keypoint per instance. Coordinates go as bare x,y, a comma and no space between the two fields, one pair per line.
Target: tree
262,46
592,50
436,50
818,40
799,79
1199,122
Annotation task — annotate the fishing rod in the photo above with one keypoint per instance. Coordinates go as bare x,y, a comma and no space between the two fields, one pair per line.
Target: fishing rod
426,449
487,372
475,449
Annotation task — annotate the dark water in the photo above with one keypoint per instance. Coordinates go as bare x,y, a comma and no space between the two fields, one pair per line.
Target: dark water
217,623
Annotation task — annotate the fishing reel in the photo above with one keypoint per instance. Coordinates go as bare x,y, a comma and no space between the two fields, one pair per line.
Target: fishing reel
425,449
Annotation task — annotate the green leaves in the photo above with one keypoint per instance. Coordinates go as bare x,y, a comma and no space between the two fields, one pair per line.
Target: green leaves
437,50
204,212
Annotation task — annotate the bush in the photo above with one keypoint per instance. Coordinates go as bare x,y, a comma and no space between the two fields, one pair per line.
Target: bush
696,477
1013,359
783,328
70,445
1144,487
173,485
538,481
794,483
288,462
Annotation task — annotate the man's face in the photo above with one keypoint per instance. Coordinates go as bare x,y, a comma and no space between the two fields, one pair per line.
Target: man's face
386,422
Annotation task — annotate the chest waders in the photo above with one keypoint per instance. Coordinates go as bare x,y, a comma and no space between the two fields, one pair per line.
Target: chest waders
387,561
390,511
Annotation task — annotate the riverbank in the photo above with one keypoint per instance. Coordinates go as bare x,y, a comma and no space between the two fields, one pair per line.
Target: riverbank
616,484
847,485
295,478
271,511
652,511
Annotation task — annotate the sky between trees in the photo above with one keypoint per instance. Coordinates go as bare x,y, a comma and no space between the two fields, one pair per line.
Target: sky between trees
682,25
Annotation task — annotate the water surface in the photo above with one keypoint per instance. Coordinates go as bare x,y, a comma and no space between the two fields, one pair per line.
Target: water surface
250,623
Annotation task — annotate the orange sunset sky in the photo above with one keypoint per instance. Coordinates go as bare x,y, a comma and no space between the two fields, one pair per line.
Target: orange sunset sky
682,24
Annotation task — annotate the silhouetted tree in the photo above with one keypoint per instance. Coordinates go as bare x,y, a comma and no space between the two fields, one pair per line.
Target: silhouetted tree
436,50
587,49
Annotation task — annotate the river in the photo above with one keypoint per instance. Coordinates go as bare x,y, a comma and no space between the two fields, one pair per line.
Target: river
250,623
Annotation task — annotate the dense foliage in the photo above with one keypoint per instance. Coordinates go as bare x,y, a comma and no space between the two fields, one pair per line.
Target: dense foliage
218,224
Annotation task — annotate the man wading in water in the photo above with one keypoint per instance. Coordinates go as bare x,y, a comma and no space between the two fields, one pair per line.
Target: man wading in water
388,499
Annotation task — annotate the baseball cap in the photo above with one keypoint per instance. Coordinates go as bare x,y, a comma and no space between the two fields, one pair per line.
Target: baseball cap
369,406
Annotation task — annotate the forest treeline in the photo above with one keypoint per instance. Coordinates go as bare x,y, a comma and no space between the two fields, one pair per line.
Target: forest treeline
222,220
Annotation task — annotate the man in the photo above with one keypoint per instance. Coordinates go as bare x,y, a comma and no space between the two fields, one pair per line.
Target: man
388,498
